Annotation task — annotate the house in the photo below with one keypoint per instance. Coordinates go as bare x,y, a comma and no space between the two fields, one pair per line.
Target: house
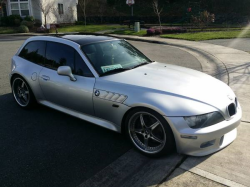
56,11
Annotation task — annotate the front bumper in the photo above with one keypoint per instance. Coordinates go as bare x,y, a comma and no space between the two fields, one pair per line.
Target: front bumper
201,142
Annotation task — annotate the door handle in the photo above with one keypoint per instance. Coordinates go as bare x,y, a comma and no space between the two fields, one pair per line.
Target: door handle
44,77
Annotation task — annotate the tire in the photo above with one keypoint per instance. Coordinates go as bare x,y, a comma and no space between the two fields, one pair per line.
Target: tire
22,93
149,132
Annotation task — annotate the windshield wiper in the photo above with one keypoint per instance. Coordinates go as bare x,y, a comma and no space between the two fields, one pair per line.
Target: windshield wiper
114,71
142,64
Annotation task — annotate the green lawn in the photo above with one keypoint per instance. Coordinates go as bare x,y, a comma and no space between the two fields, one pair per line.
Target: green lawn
130,32
7,30
209,35
217,29
89,28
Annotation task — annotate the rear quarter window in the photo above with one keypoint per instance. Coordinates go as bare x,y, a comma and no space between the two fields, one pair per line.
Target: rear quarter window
34,52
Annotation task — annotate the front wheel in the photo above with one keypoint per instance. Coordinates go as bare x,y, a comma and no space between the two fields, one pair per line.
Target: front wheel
149,132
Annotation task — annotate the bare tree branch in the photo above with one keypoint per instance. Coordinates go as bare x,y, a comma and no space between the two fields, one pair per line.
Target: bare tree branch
101,7
46,7
83,4
157,11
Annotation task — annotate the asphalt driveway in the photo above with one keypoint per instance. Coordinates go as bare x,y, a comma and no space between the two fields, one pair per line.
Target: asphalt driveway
43,147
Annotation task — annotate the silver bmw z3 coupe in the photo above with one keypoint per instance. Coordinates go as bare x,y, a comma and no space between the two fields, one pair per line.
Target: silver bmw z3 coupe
110,83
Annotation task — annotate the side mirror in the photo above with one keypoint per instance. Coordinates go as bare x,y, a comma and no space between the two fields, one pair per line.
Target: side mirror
66,71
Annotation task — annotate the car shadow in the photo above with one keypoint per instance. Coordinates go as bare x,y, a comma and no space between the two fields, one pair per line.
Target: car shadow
242,73
51,148
46,147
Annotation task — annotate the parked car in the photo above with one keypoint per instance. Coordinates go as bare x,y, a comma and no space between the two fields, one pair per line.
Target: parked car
108,82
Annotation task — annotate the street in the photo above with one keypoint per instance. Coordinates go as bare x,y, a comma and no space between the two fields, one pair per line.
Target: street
43,147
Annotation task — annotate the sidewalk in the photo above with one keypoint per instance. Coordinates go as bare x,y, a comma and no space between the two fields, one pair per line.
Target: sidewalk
229,166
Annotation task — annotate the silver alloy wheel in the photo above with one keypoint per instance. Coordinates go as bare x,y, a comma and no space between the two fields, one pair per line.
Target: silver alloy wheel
147,132
21,92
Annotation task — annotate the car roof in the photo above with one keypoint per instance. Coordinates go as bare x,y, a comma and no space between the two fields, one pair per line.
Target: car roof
88,39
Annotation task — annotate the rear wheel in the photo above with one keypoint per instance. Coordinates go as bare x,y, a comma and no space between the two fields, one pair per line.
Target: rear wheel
149,132
22,93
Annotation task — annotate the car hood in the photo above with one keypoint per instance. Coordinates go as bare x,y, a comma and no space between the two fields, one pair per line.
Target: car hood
176,81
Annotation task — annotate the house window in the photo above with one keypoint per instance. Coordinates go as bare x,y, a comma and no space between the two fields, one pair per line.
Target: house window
14,8
24,9
60,8
19,7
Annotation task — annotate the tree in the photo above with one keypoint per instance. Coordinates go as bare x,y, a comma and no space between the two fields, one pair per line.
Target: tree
101,7
46,7
2,3
83,5
203,20
157,11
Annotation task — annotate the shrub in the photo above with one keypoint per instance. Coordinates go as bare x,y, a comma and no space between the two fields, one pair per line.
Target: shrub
41,29
158,31
150,32
37,23
14,20
17,22
28,24
165,30
23,29
29,18
79,23
170,30
54,26
4,21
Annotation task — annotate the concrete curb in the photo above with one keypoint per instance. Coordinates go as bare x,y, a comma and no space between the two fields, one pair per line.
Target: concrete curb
22,34
36,34
211,176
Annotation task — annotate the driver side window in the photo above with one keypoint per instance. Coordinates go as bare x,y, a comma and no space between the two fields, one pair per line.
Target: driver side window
80,67
58,54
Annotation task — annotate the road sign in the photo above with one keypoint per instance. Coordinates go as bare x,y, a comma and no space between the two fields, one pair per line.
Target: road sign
130,2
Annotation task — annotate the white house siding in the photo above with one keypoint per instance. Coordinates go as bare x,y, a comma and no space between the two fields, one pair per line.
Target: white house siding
36,12
69,9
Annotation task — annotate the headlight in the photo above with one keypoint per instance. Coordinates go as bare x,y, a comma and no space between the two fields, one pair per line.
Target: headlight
206,120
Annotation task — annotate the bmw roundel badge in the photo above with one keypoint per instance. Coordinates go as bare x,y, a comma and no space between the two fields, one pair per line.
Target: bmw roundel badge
97,93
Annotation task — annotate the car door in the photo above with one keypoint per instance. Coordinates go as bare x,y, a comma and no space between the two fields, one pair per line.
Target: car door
60,90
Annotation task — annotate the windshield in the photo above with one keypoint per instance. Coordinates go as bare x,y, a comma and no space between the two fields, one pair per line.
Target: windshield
112,55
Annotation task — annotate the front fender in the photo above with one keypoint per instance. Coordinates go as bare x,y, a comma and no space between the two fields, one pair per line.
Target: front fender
164,102
169,104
